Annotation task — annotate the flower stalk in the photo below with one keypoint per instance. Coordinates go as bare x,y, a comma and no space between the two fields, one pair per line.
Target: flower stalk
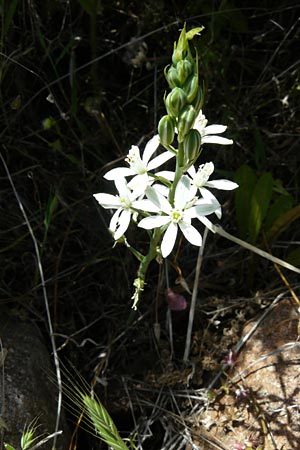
166,202
153,253
178,172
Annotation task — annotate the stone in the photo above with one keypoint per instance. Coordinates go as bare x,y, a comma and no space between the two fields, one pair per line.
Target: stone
28,391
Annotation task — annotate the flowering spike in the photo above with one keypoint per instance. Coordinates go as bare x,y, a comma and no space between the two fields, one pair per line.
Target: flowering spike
165,203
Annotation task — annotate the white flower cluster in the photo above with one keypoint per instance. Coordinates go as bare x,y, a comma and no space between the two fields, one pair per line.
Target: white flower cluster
145,199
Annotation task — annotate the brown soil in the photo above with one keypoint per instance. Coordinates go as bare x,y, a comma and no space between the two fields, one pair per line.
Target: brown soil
260,407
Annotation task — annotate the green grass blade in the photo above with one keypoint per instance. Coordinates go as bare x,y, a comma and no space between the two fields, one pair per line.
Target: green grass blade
8,17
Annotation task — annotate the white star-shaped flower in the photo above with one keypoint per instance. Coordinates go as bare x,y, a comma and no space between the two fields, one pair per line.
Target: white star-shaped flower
200,180
208,132
124,203
186,207
140,166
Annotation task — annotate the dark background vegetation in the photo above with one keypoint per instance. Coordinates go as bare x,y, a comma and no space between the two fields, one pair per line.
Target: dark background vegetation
82,81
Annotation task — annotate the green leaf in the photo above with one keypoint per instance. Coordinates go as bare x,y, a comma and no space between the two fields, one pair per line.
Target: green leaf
279,189
280,206
260,202
246,179
283,222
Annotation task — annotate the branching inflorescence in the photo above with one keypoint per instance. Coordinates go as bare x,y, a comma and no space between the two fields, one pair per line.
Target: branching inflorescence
164,202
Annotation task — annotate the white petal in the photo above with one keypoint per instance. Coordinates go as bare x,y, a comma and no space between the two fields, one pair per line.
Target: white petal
158,199
118,172
188,217
169,239
145,205
166,174
190,233
210,198
183,192
134,152
108,201
208,224
218,212
114,220
189,214
204,209
214,129
150,148
193,191
192,171
153,222
164,190
124,221
216,140
139,184
159,160
226,185
121,185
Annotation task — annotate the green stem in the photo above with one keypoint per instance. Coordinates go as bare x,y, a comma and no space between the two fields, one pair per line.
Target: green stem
152,253
178,172
139,282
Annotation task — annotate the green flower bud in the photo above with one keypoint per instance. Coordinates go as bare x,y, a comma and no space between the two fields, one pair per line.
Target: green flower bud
180,48
192,144
178,54
172,77
166,130
175,101
186,121
198,100
184,68
190,87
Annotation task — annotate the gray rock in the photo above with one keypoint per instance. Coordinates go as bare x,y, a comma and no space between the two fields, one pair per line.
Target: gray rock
28,391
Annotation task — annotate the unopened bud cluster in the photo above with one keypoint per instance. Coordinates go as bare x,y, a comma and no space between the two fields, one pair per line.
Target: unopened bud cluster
184,102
